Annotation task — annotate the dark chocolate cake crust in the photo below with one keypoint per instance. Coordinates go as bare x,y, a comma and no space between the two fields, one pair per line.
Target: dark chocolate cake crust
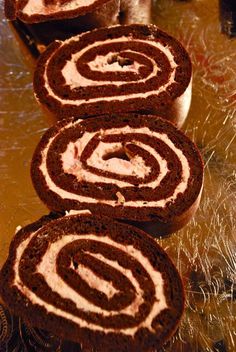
128,166
133,68
105,285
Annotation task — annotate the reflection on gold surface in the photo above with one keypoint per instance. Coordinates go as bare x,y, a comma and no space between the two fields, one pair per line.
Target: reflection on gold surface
204,251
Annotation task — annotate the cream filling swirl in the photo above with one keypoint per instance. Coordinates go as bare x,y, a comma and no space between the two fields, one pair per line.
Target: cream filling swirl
47,267
74,79
38,7
96,160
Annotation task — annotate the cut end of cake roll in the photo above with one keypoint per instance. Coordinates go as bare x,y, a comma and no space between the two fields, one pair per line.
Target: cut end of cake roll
130,167
133,68
31,12
88,279
41,22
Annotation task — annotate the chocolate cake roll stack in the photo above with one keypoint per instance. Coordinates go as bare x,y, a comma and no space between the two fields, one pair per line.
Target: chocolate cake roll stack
46,20
105,285
135,68
135,168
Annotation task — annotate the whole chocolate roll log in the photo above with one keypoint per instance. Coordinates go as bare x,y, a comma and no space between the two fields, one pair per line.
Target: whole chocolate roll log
129,167
135,68
103,284
47,20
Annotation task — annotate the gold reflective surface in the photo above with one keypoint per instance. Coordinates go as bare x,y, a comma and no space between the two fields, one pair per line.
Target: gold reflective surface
204,251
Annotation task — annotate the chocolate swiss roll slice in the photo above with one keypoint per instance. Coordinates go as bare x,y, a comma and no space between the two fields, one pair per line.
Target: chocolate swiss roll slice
46,20
135,168
133,68
106,285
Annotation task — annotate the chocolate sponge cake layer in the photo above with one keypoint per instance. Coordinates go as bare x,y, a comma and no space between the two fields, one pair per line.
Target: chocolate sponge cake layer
128,166
136,68
103,284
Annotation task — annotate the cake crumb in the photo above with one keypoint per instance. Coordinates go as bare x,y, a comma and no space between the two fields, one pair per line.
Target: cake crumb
121,198
77,212
18,228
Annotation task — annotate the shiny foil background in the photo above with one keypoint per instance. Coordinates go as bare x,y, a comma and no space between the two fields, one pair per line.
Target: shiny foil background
205,250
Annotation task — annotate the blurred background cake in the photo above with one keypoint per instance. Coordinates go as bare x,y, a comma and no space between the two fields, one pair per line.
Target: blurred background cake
40,22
